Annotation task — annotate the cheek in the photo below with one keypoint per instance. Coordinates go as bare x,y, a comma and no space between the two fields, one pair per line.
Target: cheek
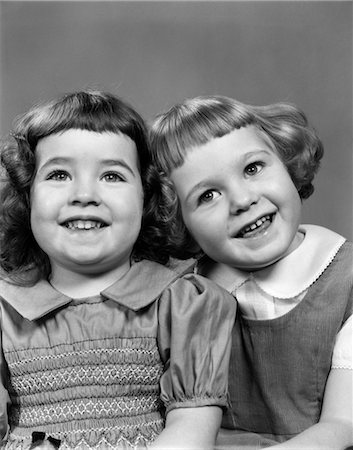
129,207
44,201
191,221
293,200
42,210
36,211
297,209
203,229
138,201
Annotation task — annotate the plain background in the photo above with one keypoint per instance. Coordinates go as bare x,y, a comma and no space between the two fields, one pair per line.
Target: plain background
155,54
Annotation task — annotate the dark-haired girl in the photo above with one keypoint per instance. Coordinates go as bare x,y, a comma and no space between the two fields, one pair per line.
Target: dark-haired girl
98,342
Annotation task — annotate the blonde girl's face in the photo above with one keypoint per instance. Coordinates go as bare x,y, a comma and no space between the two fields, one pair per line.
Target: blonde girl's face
238,200
86,200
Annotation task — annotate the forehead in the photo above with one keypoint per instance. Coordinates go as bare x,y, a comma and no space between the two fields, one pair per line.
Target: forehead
77,145
236,143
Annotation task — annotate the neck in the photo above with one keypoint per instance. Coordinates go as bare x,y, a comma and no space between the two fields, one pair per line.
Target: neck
82,285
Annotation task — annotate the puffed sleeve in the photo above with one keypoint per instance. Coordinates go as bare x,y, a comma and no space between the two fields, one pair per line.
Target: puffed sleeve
4,396
196,318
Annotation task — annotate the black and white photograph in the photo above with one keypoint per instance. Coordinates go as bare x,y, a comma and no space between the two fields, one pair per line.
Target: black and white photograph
176,225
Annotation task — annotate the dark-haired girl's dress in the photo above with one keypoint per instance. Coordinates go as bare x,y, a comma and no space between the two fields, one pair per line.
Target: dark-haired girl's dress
101,372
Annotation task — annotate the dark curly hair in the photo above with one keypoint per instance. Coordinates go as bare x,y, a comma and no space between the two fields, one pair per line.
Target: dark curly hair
21,258
198,120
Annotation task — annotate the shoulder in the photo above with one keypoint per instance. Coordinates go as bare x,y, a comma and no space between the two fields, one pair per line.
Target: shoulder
8,289
335,281
201,292
11,295
341,265
34,301
201,283
177,286
346,251
324,251
193,304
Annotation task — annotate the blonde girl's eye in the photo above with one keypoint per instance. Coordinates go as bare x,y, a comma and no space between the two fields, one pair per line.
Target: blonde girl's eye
253,168
208,196
113,177
58,175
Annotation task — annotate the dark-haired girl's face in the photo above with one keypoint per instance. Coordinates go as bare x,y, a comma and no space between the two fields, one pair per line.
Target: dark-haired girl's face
238,200
86,200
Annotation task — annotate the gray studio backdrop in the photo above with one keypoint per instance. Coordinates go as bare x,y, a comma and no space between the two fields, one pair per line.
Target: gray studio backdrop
154,54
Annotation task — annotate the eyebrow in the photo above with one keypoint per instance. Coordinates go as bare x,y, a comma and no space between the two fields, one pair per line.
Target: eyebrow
257,151
117,162
103,162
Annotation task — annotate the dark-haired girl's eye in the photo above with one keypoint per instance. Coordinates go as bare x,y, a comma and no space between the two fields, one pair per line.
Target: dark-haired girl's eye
113,177
58,175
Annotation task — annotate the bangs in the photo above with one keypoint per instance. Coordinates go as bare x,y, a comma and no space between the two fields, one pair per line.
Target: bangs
91,111
192,124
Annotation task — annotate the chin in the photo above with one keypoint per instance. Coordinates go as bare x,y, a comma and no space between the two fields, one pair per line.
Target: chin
85,264
253,265
264,264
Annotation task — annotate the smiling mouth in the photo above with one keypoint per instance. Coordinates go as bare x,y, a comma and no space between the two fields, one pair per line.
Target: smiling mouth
256,228
84,225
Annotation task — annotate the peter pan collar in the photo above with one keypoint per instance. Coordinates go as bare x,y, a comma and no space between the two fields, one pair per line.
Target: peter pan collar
138,288
293,274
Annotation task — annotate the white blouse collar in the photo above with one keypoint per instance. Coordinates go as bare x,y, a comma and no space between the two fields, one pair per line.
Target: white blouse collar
293,274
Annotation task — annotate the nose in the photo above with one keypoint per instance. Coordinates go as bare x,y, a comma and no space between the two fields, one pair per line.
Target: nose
84,192
241,197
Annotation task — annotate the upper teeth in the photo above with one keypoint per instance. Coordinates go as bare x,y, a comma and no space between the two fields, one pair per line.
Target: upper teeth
83,224
258,223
